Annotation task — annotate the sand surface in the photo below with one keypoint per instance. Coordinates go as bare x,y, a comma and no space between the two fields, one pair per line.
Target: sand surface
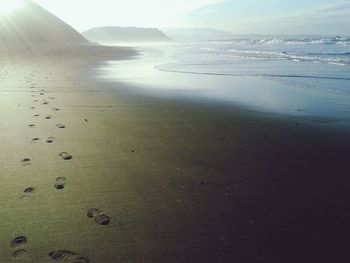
180,182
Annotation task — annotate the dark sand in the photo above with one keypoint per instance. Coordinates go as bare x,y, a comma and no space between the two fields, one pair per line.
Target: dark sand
171,181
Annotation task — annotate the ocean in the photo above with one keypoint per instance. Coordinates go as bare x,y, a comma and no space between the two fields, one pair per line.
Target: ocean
290,76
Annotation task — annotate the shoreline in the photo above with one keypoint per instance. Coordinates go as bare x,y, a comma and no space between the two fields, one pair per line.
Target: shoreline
143,77
126,89
181,182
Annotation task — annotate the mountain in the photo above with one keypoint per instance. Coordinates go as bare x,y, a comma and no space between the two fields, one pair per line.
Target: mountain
113,34
29,23
197,34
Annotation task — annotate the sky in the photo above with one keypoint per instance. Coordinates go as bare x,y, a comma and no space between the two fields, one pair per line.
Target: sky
331,17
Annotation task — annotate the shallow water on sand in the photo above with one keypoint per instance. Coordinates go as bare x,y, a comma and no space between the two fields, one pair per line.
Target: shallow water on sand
288,87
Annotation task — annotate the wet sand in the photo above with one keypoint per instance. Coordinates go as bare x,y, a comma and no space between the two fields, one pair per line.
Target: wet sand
92,173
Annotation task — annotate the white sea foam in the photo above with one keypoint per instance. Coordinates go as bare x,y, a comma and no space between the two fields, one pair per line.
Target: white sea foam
335,51
309,62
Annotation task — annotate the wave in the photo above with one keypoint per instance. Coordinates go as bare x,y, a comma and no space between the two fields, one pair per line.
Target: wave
168,68
327,55
292,41
284,53
335,58
327,41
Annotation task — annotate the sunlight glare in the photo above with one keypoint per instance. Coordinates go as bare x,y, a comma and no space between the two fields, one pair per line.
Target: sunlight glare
9,5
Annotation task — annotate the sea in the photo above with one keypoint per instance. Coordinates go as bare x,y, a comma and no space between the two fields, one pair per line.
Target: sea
307,77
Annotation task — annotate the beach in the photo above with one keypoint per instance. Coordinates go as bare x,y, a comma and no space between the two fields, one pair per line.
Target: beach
94,173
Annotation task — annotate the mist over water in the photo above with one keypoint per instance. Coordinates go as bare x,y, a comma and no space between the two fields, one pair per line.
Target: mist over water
285,76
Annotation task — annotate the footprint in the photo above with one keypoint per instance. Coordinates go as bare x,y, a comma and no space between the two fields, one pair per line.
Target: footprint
60,186
60,183
42,94
18,241
45,103
62,255
51,98
48,117
100,218
68,256
26,161
31,125
66,156
50,140
103,220
36,115
61,126
19,253
61,179
93,212
29,190
55,109
35,140
32,108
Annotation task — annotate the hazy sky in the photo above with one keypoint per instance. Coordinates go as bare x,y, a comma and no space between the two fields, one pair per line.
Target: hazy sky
238,16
